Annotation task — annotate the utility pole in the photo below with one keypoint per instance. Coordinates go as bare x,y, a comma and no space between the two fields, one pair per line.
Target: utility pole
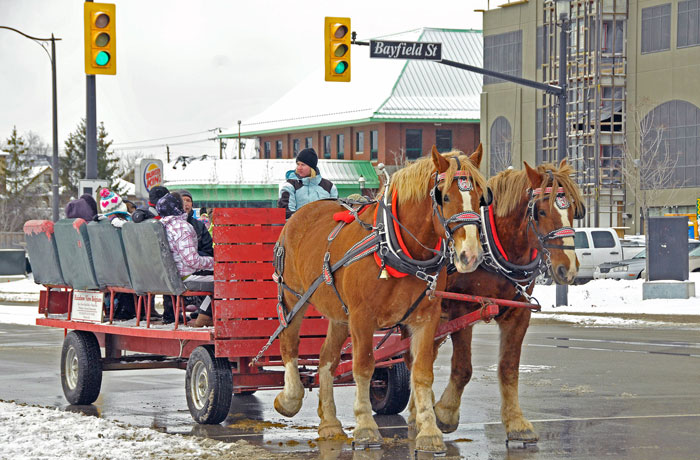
239,139
167,150
54,105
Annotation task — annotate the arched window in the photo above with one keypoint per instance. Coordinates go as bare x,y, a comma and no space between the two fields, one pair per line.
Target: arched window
670,146
500,142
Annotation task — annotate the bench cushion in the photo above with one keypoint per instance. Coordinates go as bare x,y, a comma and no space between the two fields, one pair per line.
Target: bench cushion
43,253
206,286
150,261
74,253
108,256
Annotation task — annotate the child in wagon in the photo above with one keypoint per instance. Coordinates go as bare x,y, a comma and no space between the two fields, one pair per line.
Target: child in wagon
182,239
112,207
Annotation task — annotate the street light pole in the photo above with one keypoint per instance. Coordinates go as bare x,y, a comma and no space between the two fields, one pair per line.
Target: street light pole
52,58
239,139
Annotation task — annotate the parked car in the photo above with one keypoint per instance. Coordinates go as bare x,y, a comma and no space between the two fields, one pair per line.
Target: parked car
595,246
632,269
694,260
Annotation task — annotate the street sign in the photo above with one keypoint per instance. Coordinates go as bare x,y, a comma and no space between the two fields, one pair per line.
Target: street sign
405,50
148,174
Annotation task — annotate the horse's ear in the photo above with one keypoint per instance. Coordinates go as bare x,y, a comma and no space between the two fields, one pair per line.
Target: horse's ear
533,175
441,164
562,163
477,156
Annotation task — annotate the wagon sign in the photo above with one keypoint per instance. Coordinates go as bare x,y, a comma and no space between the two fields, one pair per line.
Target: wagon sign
87,306
405,50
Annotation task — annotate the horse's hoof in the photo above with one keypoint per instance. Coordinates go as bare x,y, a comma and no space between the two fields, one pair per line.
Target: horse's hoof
286,406
430,443
331,432
445,419
526,436
367,436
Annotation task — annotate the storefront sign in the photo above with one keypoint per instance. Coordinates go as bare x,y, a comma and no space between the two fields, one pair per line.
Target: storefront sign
148,175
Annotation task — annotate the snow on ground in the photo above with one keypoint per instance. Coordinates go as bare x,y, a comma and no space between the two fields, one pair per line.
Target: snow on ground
36,433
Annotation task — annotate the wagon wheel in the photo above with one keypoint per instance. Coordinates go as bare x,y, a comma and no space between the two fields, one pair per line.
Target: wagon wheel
208,386
81,367
390,389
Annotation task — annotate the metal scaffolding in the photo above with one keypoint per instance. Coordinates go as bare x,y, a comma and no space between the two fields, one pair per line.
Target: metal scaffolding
596,102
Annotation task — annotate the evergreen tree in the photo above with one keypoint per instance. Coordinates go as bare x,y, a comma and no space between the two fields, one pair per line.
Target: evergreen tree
17,166
73,163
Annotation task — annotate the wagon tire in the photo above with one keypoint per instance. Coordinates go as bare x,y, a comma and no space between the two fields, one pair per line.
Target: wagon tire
81,368
390,389
208,386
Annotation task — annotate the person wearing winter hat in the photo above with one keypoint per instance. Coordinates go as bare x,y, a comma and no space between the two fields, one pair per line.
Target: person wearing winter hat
148,211
84,208
304,184
113,207
182,240
205,245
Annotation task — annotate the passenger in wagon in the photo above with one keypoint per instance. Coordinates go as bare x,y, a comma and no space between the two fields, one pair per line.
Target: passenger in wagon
304,184
204,242
182,240
84,207
149,211
113,208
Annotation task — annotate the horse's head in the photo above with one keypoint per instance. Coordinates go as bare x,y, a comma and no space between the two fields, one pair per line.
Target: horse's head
458,192
554,203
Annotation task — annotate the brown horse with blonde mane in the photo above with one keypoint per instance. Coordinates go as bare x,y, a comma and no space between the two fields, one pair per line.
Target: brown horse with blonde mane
533,210
372,303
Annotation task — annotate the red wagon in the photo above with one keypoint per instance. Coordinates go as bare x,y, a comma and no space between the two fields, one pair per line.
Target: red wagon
218,360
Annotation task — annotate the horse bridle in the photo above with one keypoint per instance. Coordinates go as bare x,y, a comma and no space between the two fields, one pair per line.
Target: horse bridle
562,202
461,219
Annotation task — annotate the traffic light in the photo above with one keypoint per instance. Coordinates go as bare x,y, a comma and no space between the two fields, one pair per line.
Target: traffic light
337,42
100,39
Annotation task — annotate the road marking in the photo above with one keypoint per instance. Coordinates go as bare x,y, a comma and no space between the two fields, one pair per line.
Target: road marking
655,344
614,349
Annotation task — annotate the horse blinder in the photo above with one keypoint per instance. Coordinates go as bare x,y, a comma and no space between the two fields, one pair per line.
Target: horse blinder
580,214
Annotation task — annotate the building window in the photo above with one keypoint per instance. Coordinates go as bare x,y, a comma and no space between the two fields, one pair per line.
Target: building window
503,53
326,147
295,143
656,28
359,142
499,143
670,146
611,165
278,149
613,36
414,143
267,150
688,24
309,142
373,144
443,140
341,146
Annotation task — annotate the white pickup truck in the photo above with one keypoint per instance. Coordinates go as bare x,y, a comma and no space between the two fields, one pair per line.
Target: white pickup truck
595,246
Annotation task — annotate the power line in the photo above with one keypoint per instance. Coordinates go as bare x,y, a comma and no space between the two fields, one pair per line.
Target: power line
153,146
167,137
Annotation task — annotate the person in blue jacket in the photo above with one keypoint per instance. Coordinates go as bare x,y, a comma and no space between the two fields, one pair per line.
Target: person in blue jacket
304,184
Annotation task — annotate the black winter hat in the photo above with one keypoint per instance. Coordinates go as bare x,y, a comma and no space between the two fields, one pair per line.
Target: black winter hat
156,194
169,205
309,157
184,192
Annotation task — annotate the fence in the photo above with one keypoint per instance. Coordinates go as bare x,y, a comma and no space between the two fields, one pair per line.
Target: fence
12,240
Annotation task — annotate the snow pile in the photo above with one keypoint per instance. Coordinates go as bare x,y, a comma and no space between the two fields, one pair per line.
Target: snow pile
19,289
36,432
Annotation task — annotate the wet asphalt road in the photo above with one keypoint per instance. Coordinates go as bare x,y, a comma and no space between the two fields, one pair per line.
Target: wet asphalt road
590,393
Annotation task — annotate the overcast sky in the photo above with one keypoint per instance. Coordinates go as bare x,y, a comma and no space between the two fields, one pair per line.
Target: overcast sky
185,66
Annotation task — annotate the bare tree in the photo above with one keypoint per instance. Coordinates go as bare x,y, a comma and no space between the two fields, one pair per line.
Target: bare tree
501,155
648,165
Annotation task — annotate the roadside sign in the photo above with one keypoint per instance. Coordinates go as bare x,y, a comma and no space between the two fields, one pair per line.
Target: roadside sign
405,50
149,173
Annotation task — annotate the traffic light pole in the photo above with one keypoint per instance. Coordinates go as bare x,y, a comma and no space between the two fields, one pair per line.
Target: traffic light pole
90,128
54,105
558,91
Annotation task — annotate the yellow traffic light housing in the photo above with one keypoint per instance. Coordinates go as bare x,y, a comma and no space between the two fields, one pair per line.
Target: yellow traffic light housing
100,39
337,33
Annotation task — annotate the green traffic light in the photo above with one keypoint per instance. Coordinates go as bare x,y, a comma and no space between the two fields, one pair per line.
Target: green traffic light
102,58
102,40
341,67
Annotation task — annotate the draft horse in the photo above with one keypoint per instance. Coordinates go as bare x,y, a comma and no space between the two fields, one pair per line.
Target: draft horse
527,230
356,300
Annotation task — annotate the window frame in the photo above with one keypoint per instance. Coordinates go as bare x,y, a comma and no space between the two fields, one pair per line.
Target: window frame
359,142
327,147
340,145
279,149
409,150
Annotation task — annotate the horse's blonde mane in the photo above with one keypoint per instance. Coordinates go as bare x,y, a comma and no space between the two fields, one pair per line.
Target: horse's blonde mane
412,183
509,187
